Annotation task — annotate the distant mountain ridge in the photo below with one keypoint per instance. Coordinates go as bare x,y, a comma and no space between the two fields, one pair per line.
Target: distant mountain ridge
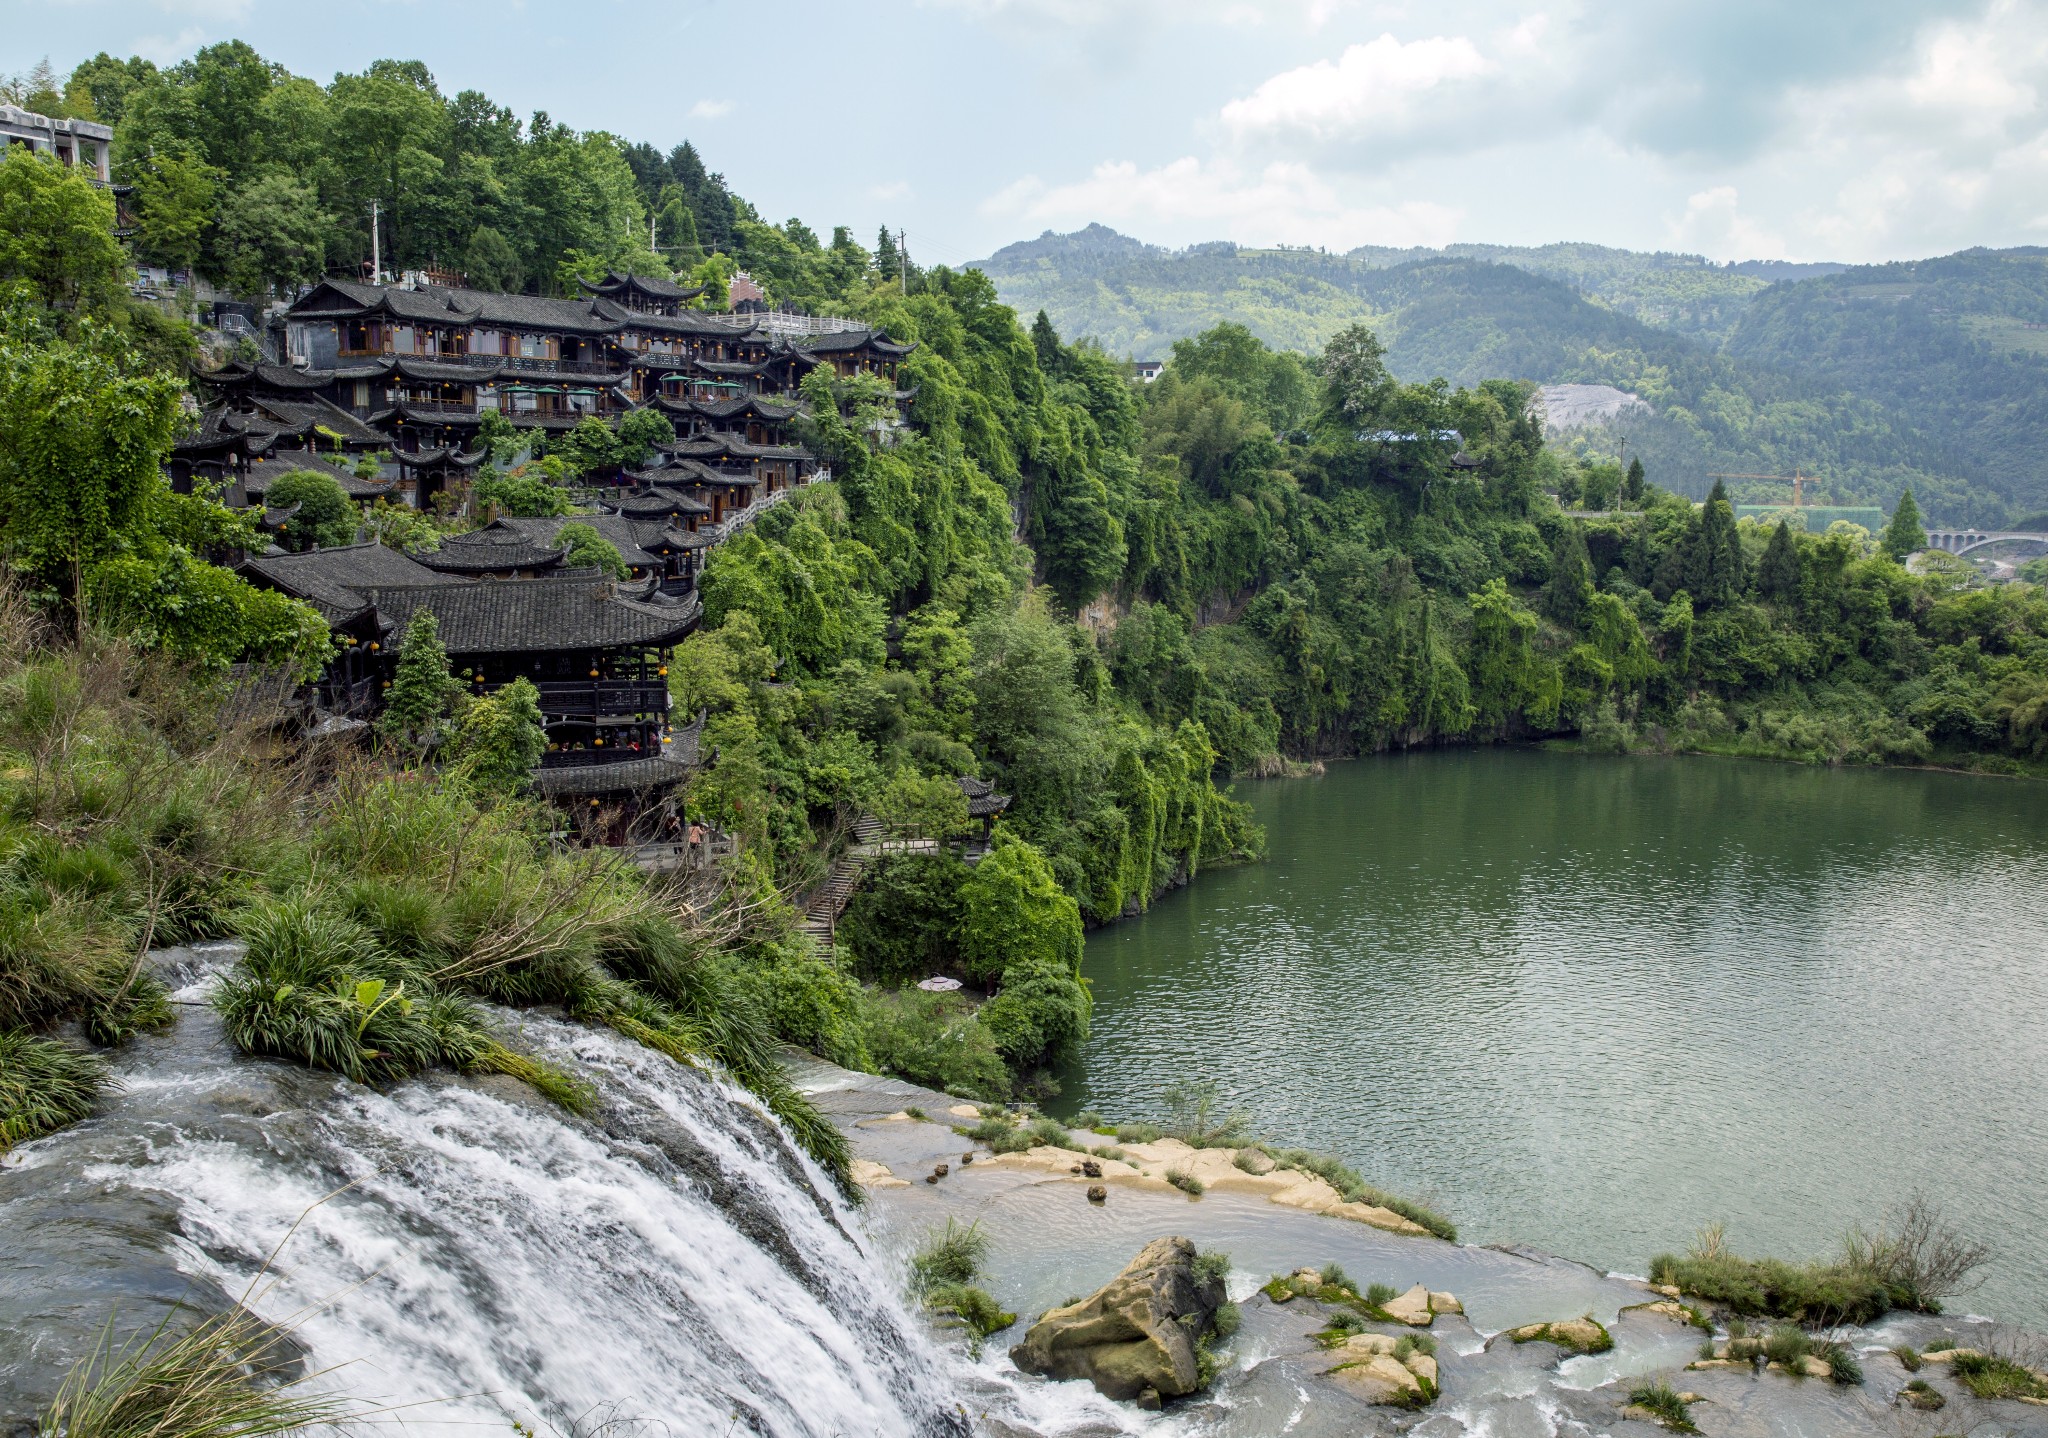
1875,377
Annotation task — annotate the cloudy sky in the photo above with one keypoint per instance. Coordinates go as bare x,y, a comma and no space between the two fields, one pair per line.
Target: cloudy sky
1801,129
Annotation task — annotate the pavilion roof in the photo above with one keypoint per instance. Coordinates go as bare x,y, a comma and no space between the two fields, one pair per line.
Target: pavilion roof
333,580
515,616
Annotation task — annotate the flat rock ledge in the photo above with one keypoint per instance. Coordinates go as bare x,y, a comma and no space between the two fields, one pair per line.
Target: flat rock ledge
1146,1165
1134,1338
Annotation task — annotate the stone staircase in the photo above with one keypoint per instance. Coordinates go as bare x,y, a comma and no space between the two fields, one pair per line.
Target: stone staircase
829,899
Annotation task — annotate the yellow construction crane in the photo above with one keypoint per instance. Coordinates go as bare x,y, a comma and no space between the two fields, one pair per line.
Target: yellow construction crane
1798,481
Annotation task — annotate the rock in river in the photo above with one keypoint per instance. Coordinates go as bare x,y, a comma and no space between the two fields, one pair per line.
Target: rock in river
1136,1335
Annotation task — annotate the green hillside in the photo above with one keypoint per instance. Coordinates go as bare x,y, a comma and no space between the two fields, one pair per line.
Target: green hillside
1957,346
1469,318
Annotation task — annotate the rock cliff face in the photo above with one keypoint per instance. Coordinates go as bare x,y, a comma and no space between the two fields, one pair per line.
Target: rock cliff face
1136,1337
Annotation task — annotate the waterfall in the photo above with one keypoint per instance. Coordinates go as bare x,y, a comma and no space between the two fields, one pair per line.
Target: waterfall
466,1256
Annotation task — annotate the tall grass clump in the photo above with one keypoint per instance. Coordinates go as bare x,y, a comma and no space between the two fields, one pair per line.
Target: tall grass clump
231,1376
44,1085
943,1274
1913,1262
1661,1399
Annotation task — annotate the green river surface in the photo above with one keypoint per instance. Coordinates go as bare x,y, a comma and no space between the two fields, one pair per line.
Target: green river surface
1590,1004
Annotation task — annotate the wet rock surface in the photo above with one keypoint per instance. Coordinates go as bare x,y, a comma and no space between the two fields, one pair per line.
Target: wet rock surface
1276,1379
1136,1336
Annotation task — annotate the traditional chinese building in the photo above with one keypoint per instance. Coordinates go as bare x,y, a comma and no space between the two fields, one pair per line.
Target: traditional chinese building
415,369
596,651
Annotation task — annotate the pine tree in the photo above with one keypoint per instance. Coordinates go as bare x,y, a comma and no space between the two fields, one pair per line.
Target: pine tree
417,702
1777,574
1905,534
1632,484
1714,568
1052,355
1640,558
1571,578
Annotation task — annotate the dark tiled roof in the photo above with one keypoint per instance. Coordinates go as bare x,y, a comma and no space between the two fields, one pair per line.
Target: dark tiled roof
657,504
982,798
447,305
632,776
848,341
331,580
728,445
444,455
440,371
265,472
654,289
689,322
489,551
695,472
768,410
520,615
638,541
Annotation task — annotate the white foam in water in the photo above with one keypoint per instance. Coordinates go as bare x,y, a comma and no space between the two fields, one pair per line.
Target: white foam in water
492,1263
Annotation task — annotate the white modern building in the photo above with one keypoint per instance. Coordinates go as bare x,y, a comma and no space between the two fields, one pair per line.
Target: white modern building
73,143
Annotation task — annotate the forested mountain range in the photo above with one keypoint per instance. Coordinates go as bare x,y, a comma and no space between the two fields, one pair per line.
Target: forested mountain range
1873,377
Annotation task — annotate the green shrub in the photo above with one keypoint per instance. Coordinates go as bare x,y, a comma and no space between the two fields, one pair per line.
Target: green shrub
1662,1399
1843,1366
1989,1375
1786,1345
1186,1182
952,1255
1908,1359
935,1040
1051,1133
903,922
44,1085
975,1309
1192,1116
1211,1266
1769,1288
1379,1295
1226,1320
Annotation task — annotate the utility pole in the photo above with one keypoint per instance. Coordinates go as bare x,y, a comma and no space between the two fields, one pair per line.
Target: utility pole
376,249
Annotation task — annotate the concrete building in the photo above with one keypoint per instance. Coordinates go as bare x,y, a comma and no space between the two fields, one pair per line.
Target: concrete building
73,143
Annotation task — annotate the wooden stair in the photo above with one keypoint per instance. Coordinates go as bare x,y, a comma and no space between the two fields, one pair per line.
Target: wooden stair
829,900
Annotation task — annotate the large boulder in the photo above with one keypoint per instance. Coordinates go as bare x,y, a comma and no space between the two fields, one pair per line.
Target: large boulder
1136,1333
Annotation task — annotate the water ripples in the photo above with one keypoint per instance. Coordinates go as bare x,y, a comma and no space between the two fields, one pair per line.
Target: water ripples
1593,1004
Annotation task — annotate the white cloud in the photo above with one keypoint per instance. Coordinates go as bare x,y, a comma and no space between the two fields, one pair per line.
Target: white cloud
1285,202
1713,225
162,50
711,109
1369,87
893,190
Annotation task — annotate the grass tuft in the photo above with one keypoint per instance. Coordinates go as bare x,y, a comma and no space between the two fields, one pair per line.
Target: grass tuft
1186,1182
44,1085
1662,1399
953,1255
232,1376
1990,1375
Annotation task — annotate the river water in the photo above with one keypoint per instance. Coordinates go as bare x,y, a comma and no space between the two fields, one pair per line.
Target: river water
1590,1004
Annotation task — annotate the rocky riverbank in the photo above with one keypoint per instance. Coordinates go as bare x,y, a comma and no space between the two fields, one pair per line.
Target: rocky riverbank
1350,1324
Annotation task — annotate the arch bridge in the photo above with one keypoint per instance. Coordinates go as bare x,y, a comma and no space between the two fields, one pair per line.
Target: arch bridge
1963,541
